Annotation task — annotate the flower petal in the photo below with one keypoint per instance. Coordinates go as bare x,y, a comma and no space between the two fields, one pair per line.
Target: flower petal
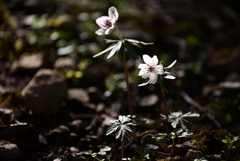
143,84
153,78
147,59
159,69
100,32
141,66
109,30
172,64
143,73
101,21
113,13
155,60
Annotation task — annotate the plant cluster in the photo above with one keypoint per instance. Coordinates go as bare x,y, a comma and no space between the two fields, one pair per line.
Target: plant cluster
152,70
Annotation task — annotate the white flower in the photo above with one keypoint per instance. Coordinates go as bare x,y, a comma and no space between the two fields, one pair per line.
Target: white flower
151,70
107,23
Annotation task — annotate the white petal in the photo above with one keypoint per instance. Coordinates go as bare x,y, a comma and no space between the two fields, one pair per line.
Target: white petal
155,59
144,74
170,77
153,78
143,84
159,69
172,64
141,66
100,32
108,31
113,13
147,59
101,21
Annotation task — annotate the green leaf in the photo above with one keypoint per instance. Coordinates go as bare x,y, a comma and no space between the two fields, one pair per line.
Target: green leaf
235,138
104,51
161,85
224,141
102,153
163,137
129,51
139,151
138,42
111,41
88,152
122,127
115,49
94,154
104,148
179,118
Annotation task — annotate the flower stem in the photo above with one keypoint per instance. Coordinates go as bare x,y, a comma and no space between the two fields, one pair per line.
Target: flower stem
128,93
119,33
172,150
165,110
122,150
127,83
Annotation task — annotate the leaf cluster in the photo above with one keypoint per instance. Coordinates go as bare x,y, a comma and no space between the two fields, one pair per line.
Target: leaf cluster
122,127
122,45
178,118
230,141
164,137
103,150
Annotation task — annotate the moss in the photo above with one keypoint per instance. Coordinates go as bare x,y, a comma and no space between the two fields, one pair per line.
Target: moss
13,100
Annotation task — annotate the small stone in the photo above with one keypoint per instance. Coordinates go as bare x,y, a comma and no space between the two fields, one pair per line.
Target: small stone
76,125
9,151
62,129
149,101
100,107
193,154
78,94
63,62
29,63
46,91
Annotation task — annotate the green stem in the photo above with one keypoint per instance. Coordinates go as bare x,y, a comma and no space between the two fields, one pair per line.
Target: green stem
128,94
172,150
165,110
119,33
107,158
122,150
127,84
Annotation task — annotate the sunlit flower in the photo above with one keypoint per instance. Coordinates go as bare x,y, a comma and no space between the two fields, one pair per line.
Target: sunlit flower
151,69
107,23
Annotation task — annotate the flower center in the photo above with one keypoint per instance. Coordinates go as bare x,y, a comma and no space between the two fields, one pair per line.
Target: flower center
108,24
151,68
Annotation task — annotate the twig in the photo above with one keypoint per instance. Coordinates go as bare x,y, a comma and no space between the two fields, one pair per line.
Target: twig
189,100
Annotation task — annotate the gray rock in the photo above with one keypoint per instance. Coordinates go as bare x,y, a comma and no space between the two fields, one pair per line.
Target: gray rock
45,92
76,125
9,151
62,129
65,62
78,94
29,63
149,101
192,154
